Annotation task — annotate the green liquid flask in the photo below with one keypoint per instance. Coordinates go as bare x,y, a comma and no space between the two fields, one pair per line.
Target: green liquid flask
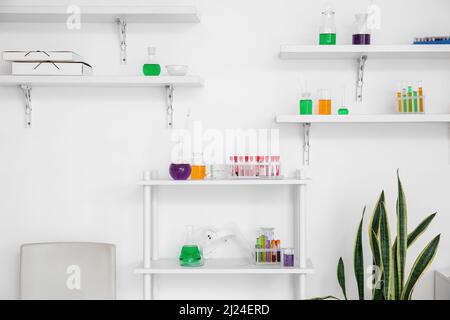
190,255
306,104
151,68
328,28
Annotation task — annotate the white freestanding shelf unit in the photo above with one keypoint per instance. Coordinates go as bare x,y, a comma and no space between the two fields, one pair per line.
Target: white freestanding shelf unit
153,266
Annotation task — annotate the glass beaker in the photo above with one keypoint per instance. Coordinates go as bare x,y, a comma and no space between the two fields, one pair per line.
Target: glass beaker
324,102
328,28
361,35
190,255
198,169
288,257
306,104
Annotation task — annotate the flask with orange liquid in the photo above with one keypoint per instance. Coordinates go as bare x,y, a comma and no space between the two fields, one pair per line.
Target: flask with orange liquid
324,102
198,168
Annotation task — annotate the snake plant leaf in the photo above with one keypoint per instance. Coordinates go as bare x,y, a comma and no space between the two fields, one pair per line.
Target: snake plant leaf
412,237
374,224
402,235
386,253
358,260
341,277
377,292
421,264
396,288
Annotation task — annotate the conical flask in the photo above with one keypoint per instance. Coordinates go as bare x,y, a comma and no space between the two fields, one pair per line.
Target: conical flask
190,255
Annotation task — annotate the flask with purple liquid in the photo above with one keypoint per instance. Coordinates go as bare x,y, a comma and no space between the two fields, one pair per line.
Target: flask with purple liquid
361,36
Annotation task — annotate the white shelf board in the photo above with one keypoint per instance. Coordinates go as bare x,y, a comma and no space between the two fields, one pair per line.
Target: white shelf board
221,266
372,51
227,182
132,13
101,81
381,118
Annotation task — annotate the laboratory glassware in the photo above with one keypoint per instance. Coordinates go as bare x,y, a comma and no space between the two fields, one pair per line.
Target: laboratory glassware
361,35
328,28
306,104
288,257
324,102
198,170
180,171
190,255
151,68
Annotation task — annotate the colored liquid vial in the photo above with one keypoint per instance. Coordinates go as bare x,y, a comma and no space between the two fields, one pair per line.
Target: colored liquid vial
151,68
416,102
288,257
410,99
190,255
361,39
327,39
198,172
399,100
343,111
421,108
180,171
361,35
324,106
327,34
306,106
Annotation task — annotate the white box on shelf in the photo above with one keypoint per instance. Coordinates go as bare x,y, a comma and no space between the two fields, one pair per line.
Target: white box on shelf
41,55
51,68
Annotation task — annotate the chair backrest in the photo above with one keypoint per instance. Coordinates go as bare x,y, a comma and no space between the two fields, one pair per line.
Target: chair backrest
68,271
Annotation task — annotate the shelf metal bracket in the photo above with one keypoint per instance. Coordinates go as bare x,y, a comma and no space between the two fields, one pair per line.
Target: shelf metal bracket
26,89
169,95
359,87
122,23
306,143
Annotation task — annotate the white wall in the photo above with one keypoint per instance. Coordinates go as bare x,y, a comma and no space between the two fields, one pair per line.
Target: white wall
73,176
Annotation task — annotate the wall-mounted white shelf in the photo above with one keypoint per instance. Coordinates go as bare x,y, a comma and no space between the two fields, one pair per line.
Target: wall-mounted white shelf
26,83
222,266
152,265
226,182
362,53
381,118
132,13
122,15
101,81
307,120
371,51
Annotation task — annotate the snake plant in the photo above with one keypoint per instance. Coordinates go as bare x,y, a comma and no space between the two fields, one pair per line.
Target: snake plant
389,257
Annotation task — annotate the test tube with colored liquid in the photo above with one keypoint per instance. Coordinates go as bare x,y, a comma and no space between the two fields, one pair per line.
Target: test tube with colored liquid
410,98
416,102
404,97
399,101
421,108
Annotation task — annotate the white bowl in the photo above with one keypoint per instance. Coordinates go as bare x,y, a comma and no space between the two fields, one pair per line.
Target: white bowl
177,70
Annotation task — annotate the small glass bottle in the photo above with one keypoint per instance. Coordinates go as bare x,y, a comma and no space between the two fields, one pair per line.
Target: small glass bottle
306,104
198,170
361,36
328,28
151,68
288,257
324,102
190,255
